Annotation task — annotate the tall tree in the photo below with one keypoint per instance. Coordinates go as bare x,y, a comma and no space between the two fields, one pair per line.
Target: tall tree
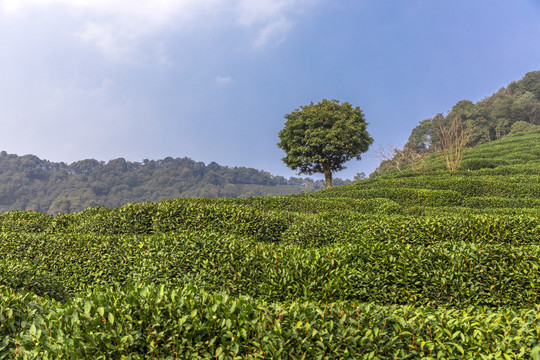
320,138
422,136
530,106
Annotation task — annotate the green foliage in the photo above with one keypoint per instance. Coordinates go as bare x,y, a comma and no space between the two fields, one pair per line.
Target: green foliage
153,322
387,259
175,215
320,138
26,276
489,119
426,230
520,126
310,204
502,202
413,265
477,164
30,183
443,188
27,221
512,110
402,196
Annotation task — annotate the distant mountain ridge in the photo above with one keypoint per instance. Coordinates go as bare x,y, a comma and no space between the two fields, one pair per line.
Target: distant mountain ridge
30,183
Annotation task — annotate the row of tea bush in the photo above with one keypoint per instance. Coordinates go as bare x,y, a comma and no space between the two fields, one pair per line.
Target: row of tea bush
443,273
154,322
284,219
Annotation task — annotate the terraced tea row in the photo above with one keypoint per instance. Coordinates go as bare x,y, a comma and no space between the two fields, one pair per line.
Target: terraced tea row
255,219
450,273
152,322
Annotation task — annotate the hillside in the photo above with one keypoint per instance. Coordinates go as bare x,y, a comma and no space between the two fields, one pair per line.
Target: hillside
491,118
501,176
510,110
28,182
432,264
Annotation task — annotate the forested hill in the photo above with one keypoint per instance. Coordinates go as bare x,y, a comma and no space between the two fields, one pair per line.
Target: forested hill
491,118
28,182
510,110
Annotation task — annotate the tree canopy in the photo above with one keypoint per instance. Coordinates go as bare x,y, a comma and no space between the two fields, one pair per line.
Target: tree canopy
489,119
28,182
511,109
320,138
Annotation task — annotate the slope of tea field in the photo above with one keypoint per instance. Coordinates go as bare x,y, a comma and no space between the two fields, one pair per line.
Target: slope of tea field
421,265
497,177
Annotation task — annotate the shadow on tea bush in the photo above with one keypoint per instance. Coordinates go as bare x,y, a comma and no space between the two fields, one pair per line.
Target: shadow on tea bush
22,277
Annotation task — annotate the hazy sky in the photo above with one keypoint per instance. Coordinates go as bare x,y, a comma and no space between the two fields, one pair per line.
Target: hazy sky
212,79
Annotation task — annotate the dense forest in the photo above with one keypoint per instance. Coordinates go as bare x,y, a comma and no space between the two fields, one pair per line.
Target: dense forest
512,109
30,183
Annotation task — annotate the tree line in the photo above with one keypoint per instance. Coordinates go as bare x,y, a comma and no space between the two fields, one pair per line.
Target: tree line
30,183
512,109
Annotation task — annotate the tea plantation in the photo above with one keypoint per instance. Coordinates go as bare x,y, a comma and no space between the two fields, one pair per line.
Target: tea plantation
421,265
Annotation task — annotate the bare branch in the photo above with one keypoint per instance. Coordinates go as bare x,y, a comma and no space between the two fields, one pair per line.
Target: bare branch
453,137
397,158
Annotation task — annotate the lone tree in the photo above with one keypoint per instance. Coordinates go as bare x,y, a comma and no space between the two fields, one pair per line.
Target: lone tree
320,138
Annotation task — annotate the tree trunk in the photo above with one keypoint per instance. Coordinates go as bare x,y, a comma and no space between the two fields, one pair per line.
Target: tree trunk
327,175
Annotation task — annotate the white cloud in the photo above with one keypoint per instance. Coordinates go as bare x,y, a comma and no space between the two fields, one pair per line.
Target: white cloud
13,6
261,11
117,27
269,20
223,80
108,38
156,12
274,32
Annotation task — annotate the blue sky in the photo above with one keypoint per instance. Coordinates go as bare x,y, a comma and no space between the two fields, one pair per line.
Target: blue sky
212,79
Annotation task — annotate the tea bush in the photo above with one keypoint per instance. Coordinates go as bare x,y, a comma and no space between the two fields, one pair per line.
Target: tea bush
402,196
27,221
501,202
425,271
154,322
175,215
24,276
467,184
420,265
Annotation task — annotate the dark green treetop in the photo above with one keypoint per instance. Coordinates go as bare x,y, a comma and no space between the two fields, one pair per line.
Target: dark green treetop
488,119
320,138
